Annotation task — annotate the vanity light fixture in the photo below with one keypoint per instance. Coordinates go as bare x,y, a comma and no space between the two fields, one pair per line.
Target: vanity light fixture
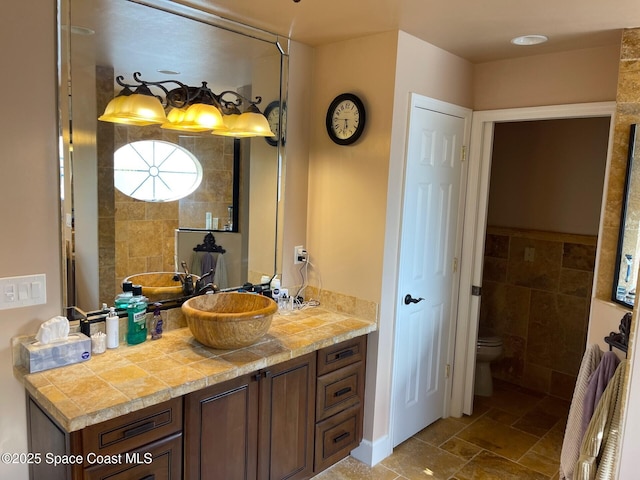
192,109
529,40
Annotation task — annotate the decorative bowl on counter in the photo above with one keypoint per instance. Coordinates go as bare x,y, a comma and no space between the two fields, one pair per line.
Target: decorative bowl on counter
229,320
159,285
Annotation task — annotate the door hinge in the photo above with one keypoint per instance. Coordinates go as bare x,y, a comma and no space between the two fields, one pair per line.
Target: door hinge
448,373
476,291
464,153
455,264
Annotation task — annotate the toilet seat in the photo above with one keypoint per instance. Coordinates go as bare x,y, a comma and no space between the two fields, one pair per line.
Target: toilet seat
489,341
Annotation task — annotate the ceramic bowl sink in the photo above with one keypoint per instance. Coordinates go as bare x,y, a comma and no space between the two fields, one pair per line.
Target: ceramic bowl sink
229,320
159,285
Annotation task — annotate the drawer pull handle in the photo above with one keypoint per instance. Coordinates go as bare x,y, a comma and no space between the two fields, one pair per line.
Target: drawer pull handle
342,391
149,477
341,437
344,354
145,427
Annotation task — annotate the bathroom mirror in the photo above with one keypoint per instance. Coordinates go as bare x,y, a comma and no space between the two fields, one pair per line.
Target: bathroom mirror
108,235
628,254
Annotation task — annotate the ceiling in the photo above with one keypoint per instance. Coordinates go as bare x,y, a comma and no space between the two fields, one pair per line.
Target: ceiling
479,31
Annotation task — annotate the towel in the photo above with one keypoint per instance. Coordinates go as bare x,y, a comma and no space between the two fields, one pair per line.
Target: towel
601,442
597,383
220,276
203,262
573,433
207,263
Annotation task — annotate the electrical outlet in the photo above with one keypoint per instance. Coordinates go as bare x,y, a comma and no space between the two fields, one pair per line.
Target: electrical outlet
299,255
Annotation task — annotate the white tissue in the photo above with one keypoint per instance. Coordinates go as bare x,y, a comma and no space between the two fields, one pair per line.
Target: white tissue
53,330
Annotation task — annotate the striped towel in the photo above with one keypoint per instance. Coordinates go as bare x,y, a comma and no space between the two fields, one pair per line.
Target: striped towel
574,431
601,441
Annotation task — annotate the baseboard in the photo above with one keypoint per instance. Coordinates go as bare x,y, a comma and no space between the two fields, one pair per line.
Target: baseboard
372,453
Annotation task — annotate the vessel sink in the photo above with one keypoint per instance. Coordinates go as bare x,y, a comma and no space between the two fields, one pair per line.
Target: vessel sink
159,285
229,320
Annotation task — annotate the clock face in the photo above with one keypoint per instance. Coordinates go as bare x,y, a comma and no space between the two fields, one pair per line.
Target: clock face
272,112
345,119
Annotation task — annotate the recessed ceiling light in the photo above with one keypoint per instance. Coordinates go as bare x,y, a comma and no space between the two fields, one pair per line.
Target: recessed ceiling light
529,40
168,72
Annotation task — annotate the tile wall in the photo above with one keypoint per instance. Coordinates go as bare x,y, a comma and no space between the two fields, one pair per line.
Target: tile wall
536,294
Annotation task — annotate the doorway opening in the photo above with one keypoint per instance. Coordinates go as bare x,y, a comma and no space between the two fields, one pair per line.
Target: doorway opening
486,127
543,214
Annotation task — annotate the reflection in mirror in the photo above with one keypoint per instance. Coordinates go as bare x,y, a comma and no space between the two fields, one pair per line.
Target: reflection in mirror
231,185
628,254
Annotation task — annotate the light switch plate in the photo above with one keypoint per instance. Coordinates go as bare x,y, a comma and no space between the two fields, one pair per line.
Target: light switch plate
24,291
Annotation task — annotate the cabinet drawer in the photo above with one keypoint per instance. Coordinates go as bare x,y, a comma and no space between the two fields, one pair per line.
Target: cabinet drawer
340,355
339,390
337,436
158,461
133,430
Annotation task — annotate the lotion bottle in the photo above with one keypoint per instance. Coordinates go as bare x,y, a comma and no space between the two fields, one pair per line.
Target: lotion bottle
113,329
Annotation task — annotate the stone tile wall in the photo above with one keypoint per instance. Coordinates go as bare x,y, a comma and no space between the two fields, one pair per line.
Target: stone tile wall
536,294
627,112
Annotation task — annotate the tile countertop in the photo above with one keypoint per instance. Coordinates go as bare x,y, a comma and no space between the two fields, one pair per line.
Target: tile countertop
130,378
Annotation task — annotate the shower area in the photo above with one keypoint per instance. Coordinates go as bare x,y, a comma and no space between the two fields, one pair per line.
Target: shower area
545,198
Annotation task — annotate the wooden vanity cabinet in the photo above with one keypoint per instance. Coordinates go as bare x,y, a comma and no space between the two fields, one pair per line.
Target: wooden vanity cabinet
339,402
288,421
256,426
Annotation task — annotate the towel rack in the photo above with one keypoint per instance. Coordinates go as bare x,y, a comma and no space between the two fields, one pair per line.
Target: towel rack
620,340
209,245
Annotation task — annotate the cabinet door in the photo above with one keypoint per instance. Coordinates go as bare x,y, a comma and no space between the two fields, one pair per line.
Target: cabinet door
287,402
221,431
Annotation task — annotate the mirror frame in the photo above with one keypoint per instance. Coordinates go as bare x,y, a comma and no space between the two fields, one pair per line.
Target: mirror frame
629,184
64,30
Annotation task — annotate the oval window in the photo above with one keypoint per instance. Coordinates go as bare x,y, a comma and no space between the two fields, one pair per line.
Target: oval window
156,171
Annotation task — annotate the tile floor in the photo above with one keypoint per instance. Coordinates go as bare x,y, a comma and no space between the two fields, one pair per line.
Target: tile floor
516,434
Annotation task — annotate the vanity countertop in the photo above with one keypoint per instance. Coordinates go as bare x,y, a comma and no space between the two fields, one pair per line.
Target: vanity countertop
130,378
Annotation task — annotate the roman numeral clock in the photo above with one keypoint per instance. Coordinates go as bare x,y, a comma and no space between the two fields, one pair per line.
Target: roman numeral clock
345,119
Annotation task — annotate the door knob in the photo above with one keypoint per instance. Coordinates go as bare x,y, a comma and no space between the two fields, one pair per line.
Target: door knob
409,299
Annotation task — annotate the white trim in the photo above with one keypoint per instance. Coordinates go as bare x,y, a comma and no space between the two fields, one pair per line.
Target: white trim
475,228
372,453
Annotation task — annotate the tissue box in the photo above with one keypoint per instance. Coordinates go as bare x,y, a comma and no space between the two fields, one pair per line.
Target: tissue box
37,356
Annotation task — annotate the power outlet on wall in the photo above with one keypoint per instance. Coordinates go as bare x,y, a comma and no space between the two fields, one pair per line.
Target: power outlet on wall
299,255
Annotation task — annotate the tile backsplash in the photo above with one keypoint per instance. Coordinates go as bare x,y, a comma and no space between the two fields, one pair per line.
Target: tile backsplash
536,294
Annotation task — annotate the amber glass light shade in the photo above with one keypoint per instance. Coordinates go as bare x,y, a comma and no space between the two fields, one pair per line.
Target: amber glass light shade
175,119
202,117
139,108
251,123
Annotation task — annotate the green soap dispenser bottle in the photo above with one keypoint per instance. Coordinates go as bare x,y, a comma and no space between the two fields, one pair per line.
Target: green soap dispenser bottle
137,317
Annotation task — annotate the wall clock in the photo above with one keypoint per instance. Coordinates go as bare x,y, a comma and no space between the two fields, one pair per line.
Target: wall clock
345,119
272,112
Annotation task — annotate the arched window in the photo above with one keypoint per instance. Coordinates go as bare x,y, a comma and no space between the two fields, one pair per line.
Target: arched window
156,171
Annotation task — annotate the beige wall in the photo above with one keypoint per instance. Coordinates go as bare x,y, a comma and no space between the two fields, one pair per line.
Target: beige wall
553,169
29,206
348,184
296,166
578,76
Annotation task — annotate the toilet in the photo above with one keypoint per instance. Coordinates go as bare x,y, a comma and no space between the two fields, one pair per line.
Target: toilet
487,350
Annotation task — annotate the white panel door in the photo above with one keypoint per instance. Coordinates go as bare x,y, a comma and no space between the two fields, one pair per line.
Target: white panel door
427,272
